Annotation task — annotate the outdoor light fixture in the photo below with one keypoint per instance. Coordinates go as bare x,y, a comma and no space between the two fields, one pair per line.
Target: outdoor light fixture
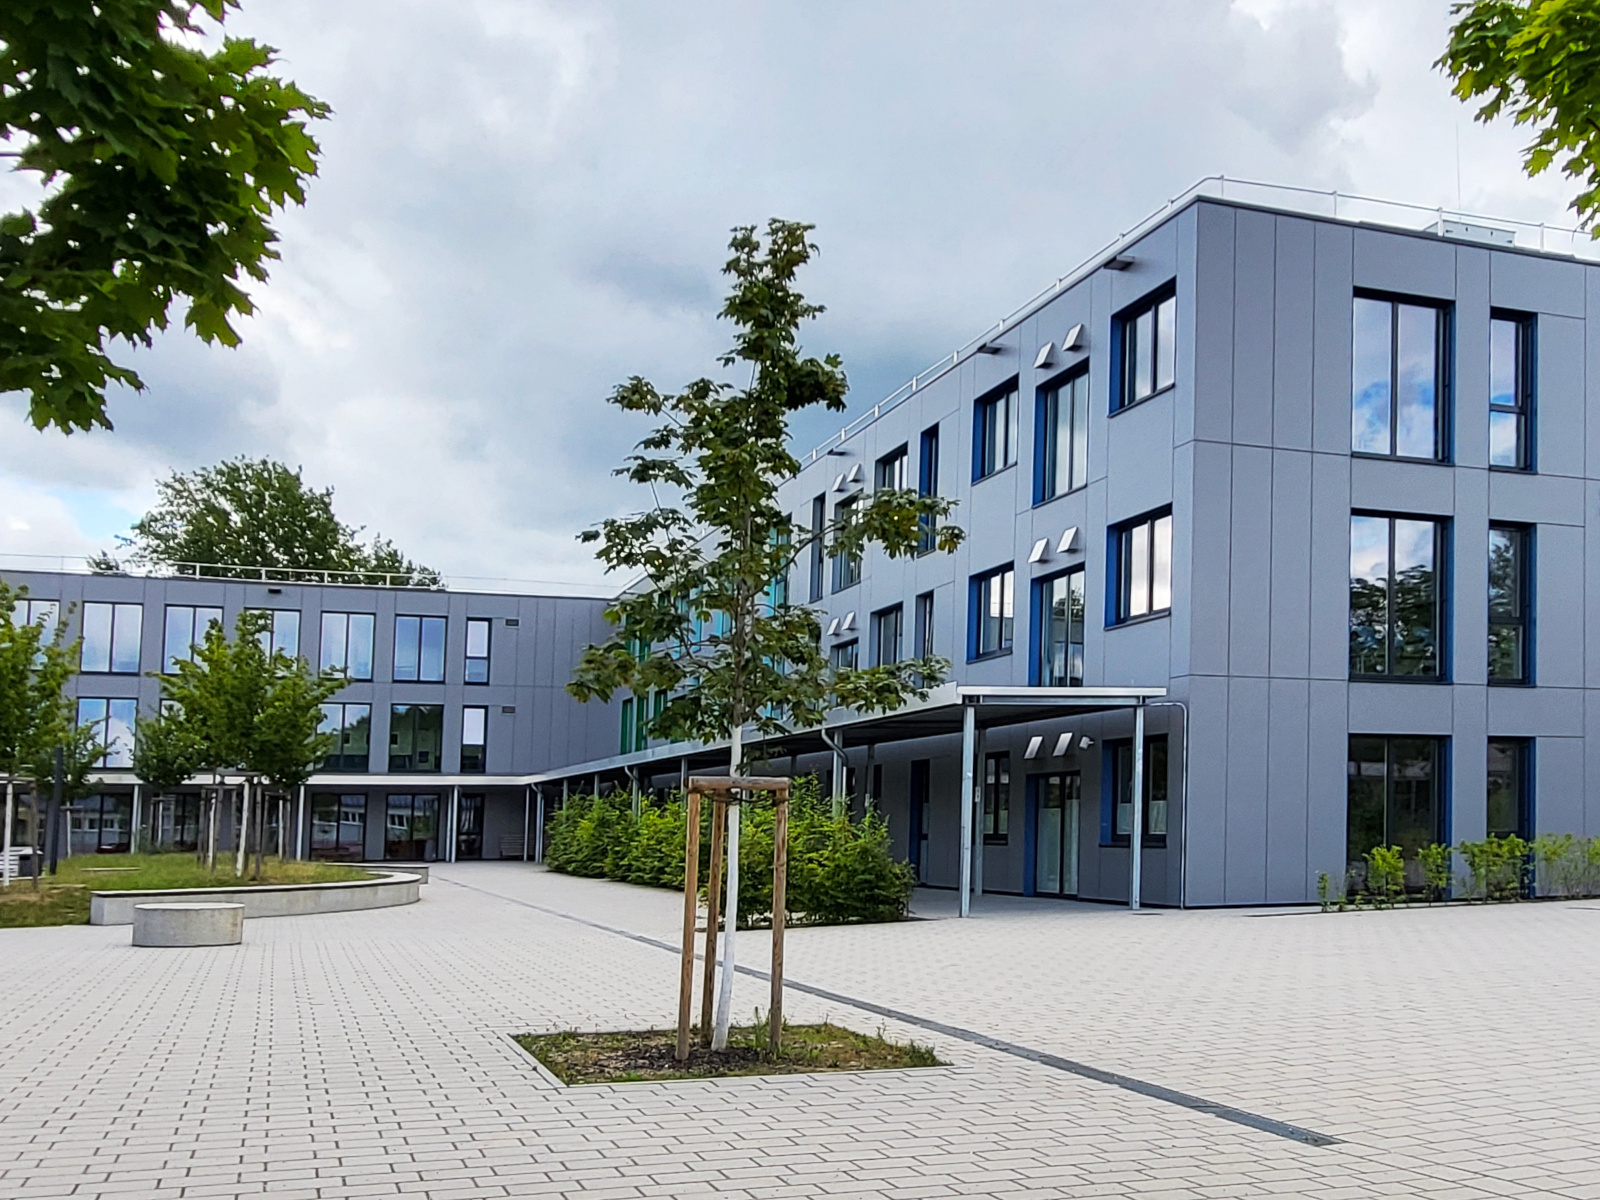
1040,549
1069,540
1033,747
1075,338
839,451
1119,262
991,348
1047,353
1063,744
1085,743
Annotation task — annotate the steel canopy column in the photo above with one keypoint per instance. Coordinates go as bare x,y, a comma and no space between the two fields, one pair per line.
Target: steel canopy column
133,832
969,748
527,817
302,843
538,829
1136,834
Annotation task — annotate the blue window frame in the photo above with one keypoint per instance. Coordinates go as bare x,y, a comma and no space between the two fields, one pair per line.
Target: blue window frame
1508,803
1058,623
1511,379
1145,348
1399,377
928,482
994,431
1397,597
1140,554
990,613
1116,810
1061,437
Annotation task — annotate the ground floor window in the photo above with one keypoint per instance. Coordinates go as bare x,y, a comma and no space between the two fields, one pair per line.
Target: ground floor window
1510,792
100,824
997,798
1154,832
1055,834
171,823
339,826
1394,789
411,828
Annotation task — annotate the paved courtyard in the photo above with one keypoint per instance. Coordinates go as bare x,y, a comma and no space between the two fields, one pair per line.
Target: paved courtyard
1095,1053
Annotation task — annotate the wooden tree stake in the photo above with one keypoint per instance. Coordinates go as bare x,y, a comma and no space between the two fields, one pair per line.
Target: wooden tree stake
691,903
780,889
719,812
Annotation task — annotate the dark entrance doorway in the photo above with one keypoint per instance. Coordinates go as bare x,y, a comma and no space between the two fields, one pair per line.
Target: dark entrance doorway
1052,859
469,825
411,828
917,829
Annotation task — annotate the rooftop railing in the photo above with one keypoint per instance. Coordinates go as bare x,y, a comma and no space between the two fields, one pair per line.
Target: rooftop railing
1341,206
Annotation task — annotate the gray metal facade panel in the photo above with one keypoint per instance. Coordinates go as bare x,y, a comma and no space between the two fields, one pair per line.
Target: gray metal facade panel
1530,284
1293,328
1404,265
1290,512
1559,628
1250,561
1469,391
1254,303
1332,290
1559,396
1213,323
1559,770
1209,584
1246,801
1288,805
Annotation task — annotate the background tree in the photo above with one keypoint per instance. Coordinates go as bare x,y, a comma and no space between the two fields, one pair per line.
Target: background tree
710,629
35,664
258,513
81,755
166,755
237,709
163,164
1539,61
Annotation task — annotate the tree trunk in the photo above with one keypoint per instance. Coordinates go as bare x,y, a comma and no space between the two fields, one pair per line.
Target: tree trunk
261,835
719,1036
243,831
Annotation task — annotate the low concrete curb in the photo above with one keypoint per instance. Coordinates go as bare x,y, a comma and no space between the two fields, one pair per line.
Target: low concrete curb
273,900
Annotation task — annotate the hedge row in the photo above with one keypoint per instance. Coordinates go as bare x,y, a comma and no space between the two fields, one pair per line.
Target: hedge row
840,870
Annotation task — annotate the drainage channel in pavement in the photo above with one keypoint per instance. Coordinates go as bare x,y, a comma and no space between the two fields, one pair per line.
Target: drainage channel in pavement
1127,1083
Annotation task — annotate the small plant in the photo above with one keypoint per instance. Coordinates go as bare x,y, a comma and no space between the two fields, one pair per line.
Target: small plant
1386,875
1559,864
1495,868
1436,861
1324,891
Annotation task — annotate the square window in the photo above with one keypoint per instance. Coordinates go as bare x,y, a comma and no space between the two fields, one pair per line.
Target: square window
1398,378
845,656
1142,550
1393,796
1396,601
347,644
111,634
892,471
419,649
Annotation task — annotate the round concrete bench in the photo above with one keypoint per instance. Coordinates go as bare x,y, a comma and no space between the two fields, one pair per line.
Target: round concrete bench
188,924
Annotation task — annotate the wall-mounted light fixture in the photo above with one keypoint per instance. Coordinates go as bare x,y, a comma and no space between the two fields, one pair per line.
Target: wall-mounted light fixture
1119,262
1063,744
1077,338
1040,549
1033,747
1046,356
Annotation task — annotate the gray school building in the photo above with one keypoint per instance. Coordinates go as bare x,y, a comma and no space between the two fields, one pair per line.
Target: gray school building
1310,497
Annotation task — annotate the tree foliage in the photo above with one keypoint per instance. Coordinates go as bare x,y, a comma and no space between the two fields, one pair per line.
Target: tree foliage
35,664
237,708
258,513
1538,60
163,163
711,626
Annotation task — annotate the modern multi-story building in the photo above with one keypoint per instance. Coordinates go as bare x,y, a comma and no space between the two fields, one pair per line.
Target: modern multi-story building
1312,497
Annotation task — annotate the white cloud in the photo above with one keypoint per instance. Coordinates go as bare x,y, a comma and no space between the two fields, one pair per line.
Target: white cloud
523,203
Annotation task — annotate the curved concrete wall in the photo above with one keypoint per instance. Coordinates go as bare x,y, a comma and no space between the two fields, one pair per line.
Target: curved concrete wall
274,900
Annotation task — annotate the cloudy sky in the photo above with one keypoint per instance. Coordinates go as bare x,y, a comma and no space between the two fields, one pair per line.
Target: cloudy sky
522,203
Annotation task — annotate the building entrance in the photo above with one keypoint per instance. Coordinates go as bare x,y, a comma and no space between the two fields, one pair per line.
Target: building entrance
411,830
1054,844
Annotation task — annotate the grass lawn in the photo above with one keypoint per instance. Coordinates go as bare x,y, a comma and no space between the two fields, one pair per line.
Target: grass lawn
650,1054
64,899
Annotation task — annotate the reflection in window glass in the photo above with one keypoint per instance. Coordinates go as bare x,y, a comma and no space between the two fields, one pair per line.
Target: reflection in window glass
113,724
185,629
283,635
1508,607
350,726
892,470
846,566
1154,789
474,738
845,656
995,603
1392,796
1510,391
995,446
1064,438
478,649
1395,604
411,828
997,798
111,635
1061,608
416,736
1396,371
419,649
887,629
1149,350
1144,568
347,644
1506,802
338,826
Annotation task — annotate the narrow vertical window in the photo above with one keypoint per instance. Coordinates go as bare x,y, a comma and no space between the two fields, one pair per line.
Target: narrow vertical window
993,604
1061,613
924,625
1144,567
928,482
819,517
478,649
1508,604
995,429
474,738
1510,391
1154,790
1398,378
1063,438
1508,799
887,626
1147,344
846,566
996,798
1396,608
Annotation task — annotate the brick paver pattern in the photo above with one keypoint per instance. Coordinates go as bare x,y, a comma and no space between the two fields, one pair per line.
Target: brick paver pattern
1454,1052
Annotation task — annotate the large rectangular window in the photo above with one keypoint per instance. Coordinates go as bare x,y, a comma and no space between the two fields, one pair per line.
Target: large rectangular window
1154,831
1509,799
1511,378
282,636
1143,552
892,471
186,627
1393,795
339,826
1398,378
993,600
1396,606
416,734
888,627
819,518
1062,439
478,649
1509,575
113,724
419,649
411,828
474,739
347,644
350,726
846,566
994,443
996,798
1060,608
111,635
928,482
1148,347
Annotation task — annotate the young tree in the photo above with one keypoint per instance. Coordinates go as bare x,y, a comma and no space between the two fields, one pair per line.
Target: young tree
237,709
81,753
35,664
711,628
258,513
163,163
166,755
1541,63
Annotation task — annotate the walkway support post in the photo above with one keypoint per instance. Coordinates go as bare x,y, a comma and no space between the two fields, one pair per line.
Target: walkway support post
301,841
691,903
527,818
1136,831
538,828
969,748
133,830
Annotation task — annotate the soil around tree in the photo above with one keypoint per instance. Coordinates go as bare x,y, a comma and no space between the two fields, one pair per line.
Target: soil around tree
651,1054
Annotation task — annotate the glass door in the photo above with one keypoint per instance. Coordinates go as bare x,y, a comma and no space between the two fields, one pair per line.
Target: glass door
411,830
469,826
1055,857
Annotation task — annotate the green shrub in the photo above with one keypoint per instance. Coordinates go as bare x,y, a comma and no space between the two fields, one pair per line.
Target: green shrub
1559,864
840,870
1437,867
1386,874
1494,867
